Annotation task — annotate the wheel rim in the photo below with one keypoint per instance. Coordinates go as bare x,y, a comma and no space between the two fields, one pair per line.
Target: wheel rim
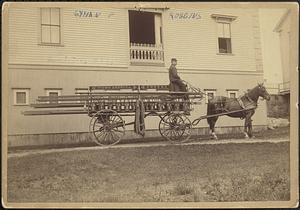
175,128
107,127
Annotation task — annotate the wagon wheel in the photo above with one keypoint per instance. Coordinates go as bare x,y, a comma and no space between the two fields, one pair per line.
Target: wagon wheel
175,127
108,127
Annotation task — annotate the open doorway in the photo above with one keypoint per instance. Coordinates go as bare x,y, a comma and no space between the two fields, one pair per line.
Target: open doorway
145,31
145,27
141,27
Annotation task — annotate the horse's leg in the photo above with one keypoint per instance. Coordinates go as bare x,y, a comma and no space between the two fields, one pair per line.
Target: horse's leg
212,121
250,128
245,127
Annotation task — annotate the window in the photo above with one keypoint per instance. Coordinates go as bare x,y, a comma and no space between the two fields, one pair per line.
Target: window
224,32
53,93
50,26
224,38
209,94
21,96
232,93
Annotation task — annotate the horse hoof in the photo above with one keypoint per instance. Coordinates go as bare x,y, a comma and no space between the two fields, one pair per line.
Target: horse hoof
215,137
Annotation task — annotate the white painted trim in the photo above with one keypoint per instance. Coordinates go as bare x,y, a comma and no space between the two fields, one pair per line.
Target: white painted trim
54,90
74,68
48,90
229,18
207,92
21,90
65,65
236,92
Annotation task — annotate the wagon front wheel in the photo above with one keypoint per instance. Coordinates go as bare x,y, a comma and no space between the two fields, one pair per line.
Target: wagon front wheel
107,127
175,127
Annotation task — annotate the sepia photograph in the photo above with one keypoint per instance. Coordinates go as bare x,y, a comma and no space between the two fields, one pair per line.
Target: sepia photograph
149,104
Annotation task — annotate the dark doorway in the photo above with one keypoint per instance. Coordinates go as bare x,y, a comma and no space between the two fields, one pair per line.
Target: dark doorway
141,27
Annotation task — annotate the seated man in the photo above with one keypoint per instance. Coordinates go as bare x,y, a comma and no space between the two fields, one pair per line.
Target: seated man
176,84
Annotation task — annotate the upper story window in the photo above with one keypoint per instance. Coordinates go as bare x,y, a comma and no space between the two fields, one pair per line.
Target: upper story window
50,26
224,38
21,96
145,33
224,32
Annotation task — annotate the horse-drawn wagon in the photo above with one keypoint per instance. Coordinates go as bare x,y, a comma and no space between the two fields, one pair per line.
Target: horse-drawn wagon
108,105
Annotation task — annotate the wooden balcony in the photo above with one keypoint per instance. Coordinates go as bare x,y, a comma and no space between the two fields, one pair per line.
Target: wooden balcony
146,54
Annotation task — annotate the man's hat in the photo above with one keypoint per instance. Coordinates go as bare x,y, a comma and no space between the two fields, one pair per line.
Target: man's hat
173,59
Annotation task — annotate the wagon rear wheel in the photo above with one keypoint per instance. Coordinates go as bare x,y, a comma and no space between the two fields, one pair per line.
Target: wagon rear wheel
107,127
175,127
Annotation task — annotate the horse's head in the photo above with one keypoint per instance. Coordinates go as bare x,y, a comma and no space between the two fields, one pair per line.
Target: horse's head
262,92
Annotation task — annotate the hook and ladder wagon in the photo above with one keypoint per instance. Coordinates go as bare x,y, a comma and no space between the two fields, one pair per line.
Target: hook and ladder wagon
108,105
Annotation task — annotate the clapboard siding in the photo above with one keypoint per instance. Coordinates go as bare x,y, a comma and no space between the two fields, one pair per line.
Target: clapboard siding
194,42
89,41
104,41
95,51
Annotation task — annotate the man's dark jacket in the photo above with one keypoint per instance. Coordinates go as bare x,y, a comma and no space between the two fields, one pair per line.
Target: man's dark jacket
176,83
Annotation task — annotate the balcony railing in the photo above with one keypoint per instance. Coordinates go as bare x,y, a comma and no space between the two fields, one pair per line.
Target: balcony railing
146,53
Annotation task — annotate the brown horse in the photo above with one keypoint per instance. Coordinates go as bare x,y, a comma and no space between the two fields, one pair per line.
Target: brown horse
221,104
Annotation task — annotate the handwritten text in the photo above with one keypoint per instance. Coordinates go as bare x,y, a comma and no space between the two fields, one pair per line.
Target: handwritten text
85,13
185,15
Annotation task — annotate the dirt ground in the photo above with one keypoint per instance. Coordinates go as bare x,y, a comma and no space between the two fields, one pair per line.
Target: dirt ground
191,173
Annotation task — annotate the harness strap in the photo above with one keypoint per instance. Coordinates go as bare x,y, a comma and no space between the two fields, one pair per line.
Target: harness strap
239,99
251,101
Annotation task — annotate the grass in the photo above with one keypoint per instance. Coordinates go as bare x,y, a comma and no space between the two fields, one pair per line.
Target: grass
230,172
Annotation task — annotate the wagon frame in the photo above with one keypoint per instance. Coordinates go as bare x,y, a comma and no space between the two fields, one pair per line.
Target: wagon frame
107,105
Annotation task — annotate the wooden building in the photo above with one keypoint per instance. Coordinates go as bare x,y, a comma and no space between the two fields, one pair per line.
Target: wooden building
63,50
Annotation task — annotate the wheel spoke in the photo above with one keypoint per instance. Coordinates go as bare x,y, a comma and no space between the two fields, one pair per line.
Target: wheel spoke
107,126
117,137
175,127
116,130
99,135
110,137
98,130
105,137
167,130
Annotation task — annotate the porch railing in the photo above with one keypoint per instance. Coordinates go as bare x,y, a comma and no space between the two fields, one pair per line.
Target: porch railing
146,53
